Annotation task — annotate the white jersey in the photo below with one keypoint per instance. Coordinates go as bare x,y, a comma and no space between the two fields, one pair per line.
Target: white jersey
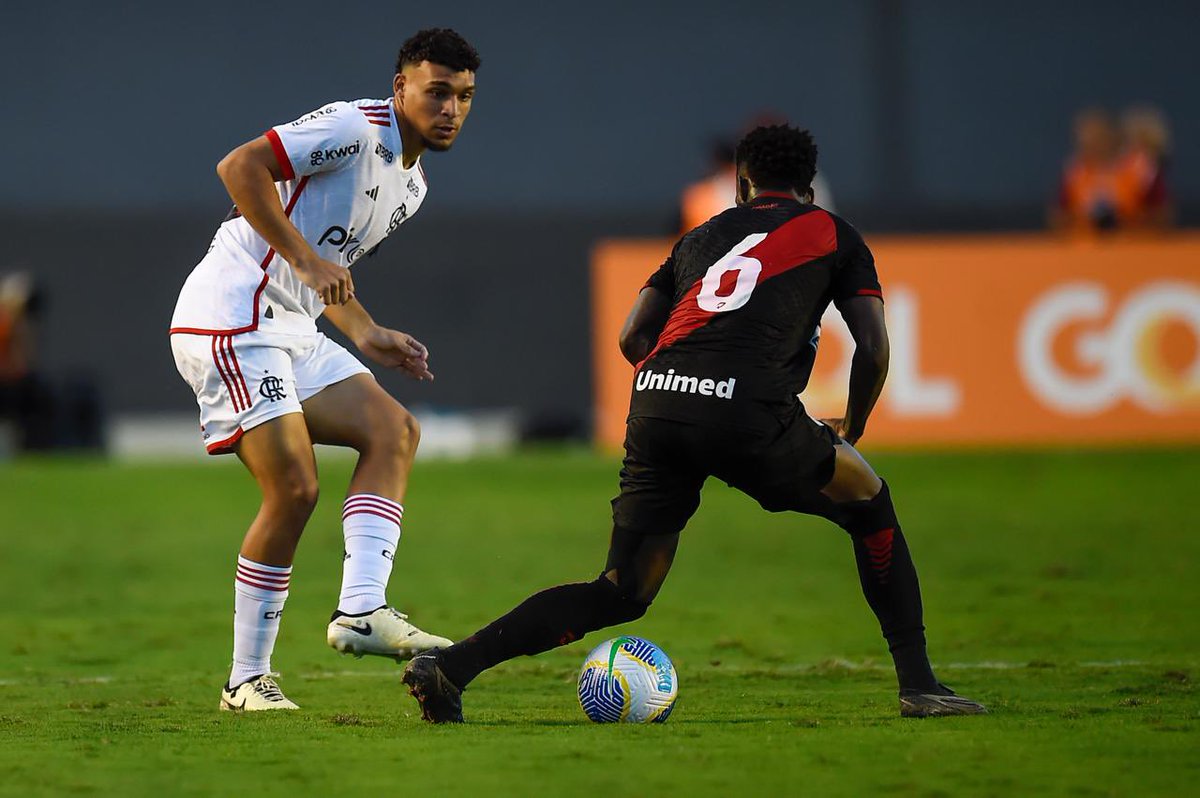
345,189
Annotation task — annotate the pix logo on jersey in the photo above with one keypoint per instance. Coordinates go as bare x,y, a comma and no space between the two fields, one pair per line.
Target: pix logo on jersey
319,157
345,241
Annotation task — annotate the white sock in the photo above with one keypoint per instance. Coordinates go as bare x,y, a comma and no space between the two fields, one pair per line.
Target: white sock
371,527
259,594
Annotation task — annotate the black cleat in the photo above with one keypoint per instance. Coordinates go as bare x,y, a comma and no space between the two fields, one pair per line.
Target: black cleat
936,702
440,700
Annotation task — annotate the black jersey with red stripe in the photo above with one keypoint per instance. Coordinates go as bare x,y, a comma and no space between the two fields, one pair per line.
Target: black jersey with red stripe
748,289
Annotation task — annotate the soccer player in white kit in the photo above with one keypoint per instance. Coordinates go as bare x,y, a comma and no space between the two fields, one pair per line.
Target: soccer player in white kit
312,197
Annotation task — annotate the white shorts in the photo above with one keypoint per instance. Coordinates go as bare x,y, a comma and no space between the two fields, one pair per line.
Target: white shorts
243,380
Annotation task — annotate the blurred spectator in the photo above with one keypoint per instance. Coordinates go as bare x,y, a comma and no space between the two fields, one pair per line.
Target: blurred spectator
1107,188
712,193
46,415
24,398
1147,154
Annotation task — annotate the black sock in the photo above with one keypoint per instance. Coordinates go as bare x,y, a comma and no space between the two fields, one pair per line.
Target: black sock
545,620
889,583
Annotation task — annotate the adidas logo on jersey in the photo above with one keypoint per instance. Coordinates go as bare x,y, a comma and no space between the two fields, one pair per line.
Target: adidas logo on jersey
679,383
373,193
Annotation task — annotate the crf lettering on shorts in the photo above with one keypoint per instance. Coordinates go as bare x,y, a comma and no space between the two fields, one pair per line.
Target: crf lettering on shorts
681,383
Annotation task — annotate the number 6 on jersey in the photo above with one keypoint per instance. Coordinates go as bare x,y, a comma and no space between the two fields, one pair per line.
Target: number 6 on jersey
748,270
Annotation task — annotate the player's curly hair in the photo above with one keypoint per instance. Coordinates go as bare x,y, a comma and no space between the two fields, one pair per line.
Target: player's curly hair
779,156
438,46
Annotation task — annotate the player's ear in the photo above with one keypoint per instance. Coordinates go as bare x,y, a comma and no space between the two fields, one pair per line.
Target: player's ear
398,84
743,189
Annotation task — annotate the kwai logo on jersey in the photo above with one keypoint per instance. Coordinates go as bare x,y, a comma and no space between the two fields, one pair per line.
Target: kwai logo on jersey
1135,355
383,152
314,115
647,380
319,157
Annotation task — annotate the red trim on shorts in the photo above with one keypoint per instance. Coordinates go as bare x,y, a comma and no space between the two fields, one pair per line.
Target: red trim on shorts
285,163
258,293
869,292
234,396
225,446
240,381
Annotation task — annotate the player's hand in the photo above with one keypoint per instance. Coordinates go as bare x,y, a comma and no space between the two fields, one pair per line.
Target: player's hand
396,350
331,282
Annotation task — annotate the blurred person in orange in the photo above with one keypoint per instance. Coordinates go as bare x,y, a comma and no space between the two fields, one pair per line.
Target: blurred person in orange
1147,154
712,193
1103,188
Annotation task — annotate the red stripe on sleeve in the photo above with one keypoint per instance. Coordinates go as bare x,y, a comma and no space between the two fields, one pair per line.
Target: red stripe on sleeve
869,292
285,163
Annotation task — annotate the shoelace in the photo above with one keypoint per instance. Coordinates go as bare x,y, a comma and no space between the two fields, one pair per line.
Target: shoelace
266,687
398,614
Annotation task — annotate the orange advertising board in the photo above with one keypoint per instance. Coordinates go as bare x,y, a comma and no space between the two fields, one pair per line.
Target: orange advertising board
1023,340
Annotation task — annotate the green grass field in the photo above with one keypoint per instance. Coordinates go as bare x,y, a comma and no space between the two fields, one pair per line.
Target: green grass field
1060,589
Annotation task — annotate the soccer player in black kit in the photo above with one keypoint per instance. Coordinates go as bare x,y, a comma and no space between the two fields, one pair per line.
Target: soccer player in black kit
720,336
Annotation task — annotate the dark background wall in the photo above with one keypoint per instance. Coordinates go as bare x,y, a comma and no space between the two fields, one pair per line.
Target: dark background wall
931,114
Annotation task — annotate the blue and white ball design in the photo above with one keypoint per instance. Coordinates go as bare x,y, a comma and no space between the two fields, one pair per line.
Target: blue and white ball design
629,680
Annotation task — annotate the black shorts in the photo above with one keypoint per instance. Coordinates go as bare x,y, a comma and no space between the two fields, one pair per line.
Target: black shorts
780,464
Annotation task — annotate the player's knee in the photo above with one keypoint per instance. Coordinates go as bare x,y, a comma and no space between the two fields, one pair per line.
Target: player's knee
398,433
294,494
863,518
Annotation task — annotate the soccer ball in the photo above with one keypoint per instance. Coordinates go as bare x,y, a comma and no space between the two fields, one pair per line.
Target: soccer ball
628,679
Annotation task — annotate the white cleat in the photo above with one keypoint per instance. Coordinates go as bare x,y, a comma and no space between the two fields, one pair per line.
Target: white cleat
260,693
384,632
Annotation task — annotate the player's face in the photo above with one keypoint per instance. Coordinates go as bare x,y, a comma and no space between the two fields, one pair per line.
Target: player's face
435,100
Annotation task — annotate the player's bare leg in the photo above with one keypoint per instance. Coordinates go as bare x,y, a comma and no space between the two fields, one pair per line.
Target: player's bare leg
862,505
279,455
358,413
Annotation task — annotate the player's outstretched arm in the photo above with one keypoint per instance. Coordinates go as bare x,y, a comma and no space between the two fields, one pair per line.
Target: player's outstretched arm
869,367
391,348
644,324
249,174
